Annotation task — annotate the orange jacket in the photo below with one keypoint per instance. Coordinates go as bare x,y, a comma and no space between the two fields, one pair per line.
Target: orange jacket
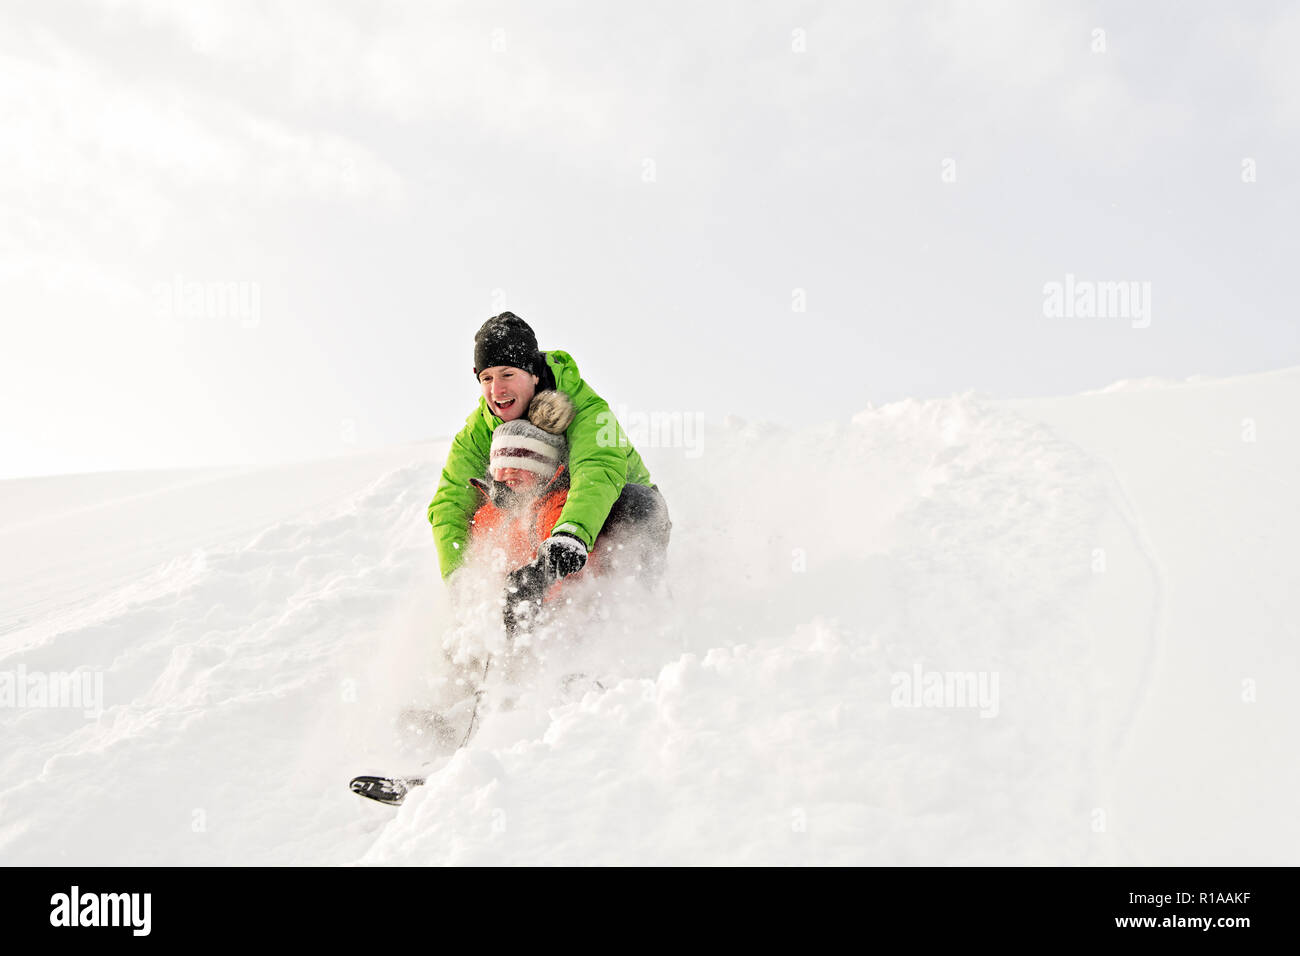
518,532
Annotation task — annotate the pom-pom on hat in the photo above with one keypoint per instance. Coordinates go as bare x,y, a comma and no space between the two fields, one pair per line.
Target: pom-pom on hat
551,411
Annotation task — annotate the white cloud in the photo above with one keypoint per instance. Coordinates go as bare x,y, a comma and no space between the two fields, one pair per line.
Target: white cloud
82,147
410,62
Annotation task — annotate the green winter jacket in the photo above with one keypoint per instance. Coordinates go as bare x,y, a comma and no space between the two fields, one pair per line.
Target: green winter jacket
601,462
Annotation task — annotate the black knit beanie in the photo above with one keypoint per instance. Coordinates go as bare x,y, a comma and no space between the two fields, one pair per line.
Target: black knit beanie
506,339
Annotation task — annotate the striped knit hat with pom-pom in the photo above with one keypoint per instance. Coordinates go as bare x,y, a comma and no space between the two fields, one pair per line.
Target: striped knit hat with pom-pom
521,444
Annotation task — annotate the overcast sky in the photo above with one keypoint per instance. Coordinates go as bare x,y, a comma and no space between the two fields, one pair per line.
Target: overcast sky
252,231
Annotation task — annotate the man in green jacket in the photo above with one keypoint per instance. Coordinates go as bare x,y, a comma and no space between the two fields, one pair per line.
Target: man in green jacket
605,472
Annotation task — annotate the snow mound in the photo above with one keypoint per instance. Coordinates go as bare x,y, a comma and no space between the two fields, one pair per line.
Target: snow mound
949,631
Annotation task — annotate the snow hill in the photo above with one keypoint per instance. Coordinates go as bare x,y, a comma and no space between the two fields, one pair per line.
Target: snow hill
1053,631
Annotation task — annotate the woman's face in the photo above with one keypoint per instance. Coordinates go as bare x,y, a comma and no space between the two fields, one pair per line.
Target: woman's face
507,390
518,479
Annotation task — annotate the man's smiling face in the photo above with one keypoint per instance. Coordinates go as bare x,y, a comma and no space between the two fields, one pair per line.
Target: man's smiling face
507,390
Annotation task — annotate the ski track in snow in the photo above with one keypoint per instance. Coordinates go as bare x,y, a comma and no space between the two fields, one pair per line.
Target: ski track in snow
752,718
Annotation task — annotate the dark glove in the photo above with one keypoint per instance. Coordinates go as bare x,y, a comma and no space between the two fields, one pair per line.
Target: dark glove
525,588
559,556
497,492
563,553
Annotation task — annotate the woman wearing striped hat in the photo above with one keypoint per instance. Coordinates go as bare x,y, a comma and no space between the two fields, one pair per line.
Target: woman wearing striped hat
523,495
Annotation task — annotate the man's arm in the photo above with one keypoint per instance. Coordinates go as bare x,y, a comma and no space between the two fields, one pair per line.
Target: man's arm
455,500
598,457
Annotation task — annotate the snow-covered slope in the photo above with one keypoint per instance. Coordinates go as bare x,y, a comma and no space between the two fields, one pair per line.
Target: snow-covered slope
1207,475
953,631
